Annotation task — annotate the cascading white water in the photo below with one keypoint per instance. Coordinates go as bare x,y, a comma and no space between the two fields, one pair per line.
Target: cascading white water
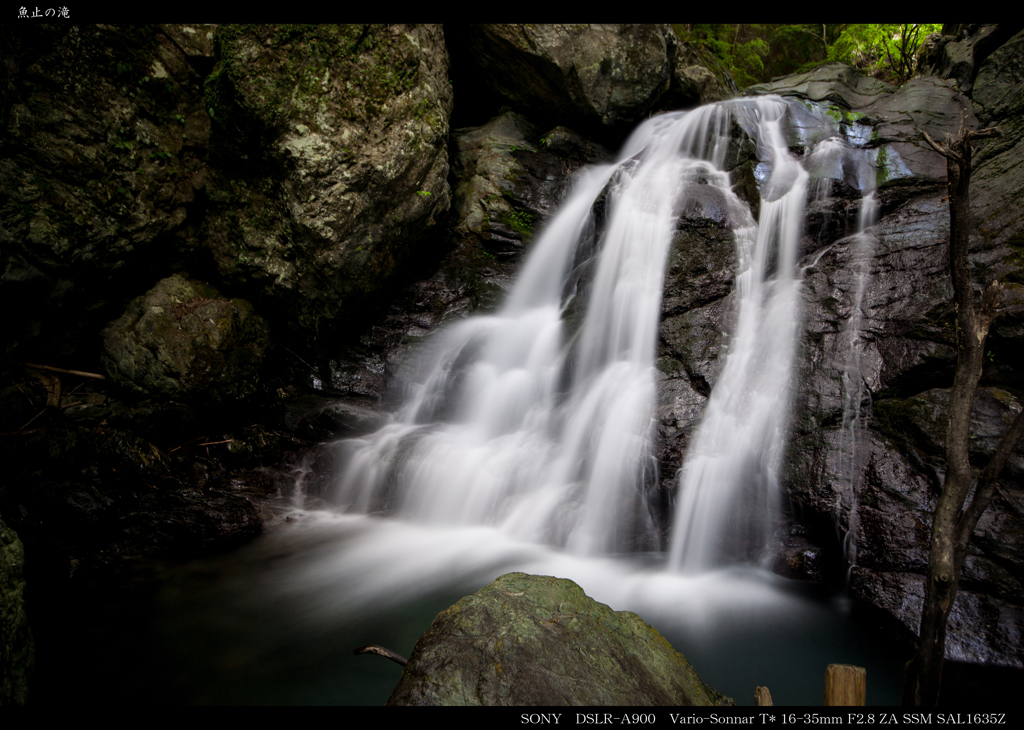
728,486
863,250
528,431
546,434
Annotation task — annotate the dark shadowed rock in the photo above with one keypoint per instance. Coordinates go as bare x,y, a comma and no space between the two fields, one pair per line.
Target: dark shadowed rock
981,629
16,646
596,78
102,159
960,51
697,78
538,640
184,340
997,187
331,143
512,177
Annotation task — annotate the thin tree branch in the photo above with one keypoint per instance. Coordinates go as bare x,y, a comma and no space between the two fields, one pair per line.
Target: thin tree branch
971,136
79,373
941,149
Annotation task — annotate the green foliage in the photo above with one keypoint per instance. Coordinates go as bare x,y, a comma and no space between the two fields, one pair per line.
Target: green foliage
741,48
888,51
757,53
520,221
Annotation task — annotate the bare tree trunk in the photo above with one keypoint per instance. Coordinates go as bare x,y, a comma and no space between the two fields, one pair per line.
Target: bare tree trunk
953,526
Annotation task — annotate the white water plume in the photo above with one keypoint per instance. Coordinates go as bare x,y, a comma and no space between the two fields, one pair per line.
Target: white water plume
544,433
854,388
547,433
729,483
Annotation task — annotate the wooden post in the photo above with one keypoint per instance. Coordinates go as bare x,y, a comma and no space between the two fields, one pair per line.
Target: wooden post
762,697
845,685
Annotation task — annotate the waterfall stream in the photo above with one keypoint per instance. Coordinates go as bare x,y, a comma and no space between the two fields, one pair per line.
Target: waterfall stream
527,442
853,378
546,433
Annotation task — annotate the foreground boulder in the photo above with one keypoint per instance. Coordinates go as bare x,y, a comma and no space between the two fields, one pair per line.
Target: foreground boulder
538,640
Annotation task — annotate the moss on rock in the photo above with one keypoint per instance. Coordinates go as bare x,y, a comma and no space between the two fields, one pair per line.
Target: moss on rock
332,161
183,340
538,640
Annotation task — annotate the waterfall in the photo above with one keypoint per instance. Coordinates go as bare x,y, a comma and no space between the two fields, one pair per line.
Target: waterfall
526,443
863,250
545,431
728,486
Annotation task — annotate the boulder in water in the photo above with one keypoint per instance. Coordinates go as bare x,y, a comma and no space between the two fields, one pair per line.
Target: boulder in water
538,640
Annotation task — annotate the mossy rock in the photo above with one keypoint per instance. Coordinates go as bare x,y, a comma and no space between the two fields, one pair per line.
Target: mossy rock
17,650
538,640
330,145
184,340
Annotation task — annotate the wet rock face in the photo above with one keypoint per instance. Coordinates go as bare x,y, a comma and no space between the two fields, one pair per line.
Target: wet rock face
102,157
184,340
960,55
590,77
16,646
997,187
519,640
509,178
913,439
695,310
905,357
905,352
837,83
331,144
600,80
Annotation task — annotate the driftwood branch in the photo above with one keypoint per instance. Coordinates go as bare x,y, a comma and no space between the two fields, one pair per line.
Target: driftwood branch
381,651
79,373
